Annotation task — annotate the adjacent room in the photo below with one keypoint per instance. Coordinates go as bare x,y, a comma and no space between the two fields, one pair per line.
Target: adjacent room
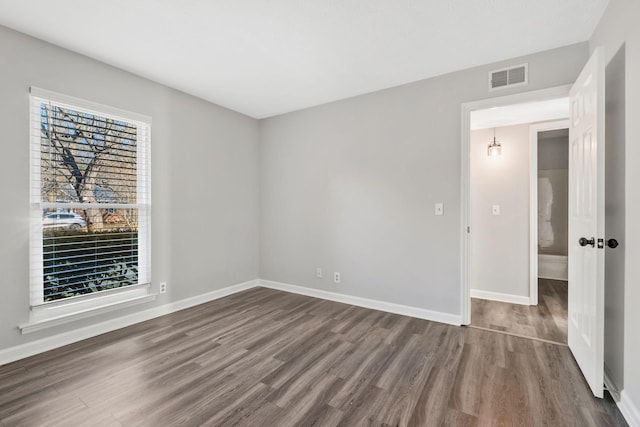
296,213
519,213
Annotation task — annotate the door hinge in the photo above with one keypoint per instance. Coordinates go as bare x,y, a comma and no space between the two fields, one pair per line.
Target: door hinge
468,229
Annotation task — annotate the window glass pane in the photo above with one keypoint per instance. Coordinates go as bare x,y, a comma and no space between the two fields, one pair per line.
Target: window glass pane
79,261
86,158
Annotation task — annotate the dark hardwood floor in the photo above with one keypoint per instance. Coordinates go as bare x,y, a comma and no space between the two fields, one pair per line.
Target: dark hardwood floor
269,358
547,320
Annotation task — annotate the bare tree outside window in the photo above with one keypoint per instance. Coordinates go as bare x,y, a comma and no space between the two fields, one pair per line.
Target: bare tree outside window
88,159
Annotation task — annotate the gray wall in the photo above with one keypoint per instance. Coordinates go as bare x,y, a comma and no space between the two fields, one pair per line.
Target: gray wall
350,186
618,32
499,244
204,169
615,219
553,153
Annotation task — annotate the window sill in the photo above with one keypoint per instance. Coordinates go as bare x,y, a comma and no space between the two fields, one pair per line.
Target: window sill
46,317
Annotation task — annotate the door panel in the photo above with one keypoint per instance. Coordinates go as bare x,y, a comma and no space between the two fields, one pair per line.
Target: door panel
586,219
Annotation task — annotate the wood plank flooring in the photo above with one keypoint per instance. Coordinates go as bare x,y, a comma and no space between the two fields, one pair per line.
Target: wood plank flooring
270,358
547,320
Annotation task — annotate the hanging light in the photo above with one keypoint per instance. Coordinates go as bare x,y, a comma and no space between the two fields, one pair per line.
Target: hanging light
494,149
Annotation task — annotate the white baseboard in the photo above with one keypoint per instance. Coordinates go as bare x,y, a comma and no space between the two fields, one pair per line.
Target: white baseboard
553,267
611,384
498,296
21,351
543,275
405,310
629,410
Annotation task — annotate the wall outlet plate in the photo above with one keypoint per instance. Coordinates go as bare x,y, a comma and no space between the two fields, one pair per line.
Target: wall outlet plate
163,287
336,277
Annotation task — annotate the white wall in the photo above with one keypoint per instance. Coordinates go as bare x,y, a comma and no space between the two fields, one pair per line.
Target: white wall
351,186
618,30
499,244
204,161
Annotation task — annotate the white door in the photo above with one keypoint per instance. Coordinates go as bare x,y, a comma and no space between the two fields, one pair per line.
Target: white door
586,222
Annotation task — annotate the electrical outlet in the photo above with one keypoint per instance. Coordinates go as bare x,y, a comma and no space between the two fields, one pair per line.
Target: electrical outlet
439,209
163,287
319,273
336,277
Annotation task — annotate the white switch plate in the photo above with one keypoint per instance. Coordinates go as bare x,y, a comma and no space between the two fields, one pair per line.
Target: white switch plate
439,209
495,210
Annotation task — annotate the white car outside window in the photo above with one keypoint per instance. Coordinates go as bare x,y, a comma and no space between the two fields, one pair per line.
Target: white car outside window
71,221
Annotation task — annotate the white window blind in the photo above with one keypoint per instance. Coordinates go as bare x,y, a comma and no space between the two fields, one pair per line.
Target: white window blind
90,198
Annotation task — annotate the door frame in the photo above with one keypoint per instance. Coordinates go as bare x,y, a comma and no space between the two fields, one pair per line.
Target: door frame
534,129
465,205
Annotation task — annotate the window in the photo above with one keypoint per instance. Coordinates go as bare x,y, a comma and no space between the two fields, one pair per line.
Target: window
90,200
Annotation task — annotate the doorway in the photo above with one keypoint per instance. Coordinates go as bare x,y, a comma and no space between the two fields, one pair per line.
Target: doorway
519,218
549,228
494,105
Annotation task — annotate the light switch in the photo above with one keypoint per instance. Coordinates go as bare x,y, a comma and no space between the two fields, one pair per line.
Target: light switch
439,209
495,209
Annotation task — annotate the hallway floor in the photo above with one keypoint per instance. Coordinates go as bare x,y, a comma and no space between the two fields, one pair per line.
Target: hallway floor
546,321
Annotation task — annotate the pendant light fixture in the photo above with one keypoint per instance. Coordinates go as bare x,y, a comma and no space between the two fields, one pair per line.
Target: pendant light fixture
494,149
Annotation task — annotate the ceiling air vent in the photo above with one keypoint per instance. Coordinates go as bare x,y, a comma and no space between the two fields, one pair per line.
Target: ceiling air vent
509,77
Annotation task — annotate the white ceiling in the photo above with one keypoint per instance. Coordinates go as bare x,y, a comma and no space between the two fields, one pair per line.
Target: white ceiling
267,57
529,112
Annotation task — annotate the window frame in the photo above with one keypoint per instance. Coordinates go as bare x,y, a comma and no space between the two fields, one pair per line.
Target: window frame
43,314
